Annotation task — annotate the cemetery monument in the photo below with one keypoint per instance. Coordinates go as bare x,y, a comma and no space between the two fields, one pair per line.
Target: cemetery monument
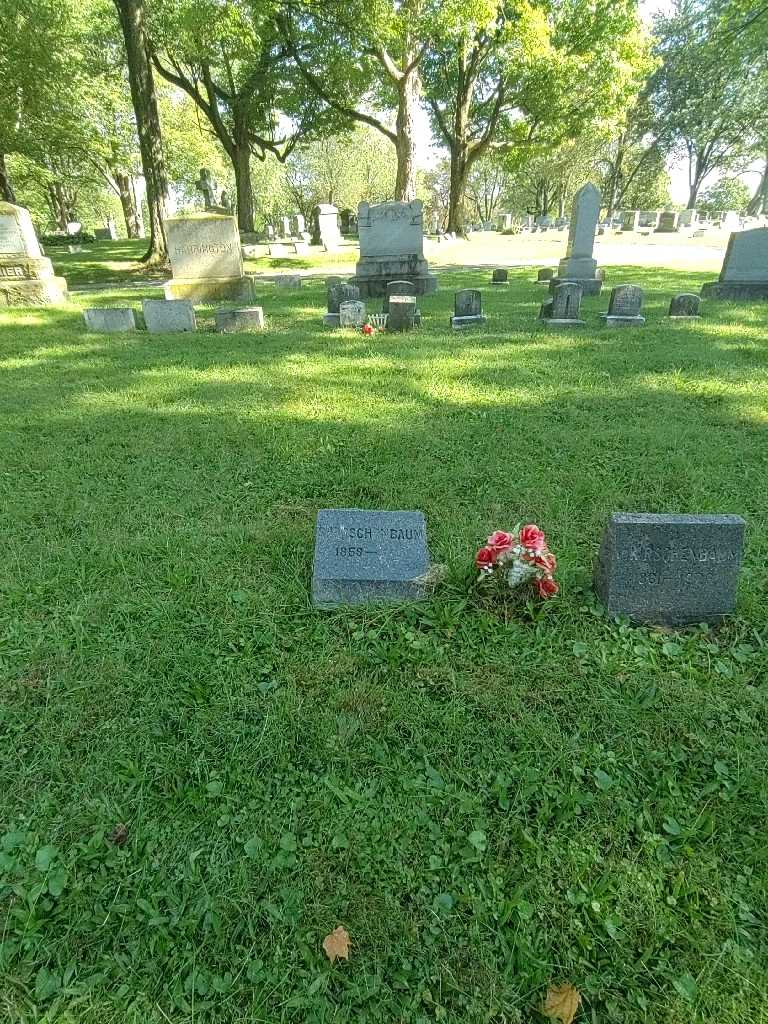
578,263
392,248
745,268
206,261
26,276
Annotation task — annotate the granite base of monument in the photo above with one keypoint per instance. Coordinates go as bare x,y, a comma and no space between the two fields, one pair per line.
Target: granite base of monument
671,570
210,289
735,290
589,285
364,556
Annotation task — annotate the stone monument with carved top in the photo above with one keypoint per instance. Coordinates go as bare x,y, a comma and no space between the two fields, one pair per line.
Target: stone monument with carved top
392,248
26,276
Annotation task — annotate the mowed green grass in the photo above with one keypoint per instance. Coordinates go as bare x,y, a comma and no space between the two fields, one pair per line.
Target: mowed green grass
485,806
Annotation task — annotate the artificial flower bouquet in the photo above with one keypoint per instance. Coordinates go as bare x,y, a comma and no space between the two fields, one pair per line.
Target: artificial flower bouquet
519,561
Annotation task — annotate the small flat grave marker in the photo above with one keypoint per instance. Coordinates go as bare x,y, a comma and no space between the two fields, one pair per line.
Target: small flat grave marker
670,569
685,306
364,556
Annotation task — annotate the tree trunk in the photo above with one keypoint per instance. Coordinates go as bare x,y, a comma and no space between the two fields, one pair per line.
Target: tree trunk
143,95
408,93
241,163
759,201
128,203
57,201
6,188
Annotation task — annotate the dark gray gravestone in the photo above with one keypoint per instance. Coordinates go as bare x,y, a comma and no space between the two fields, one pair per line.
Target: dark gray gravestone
500,276
685,307
670,569
545,275
363,556
467,308
402,314
566,305
624,306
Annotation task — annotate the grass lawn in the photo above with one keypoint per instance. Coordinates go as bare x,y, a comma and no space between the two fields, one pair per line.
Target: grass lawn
486,807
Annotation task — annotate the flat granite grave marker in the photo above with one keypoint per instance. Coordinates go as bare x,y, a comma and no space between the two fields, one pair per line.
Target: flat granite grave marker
745,268
670,569
168,316
363,556
107,319
235,321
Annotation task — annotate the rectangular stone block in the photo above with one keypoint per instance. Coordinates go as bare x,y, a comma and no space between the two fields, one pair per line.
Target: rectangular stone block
366,556
108,320
210,289
670,569
168,316
234,321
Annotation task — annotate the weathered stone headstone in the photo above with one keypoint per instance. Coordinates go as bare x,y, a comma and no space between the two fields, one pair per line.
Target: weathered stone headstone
352,313
402,313
107,320
301,248
578,263
500,276
670,569
467,308
237,321
564,309
285,223
325,226
729,220
649,218
363,556
745,268
624,307
288,281
545,275
397,288
108,234
168,316
392,248
338,291
685,307
26,276
297,224
207,186
688,219
667,222
206,261
630,220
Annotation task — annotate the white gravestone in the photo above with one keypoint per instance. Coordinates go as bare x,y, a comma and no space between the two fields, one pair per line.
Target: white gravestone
206,261
26,276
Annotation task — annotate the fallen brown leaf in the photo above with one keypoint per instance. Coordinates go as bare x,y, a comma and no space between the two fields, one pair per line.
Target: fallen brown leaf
336,945
120,835
562,1002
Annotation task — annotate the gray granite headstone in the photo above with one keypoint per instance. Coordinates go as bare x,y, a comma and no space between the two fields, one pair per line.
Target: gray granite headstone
109,318
566,305
685,307
352,313
363,556
667,222
236,321
467,308
397,288
338,291
670,569
578,264
402,313
545,275
288,281
624,306
168,316
500,276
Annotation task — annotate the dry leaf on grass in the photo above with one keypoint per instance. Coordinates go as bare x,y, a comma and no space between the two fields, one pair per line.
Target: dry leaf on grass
336,945
562,1002
119,835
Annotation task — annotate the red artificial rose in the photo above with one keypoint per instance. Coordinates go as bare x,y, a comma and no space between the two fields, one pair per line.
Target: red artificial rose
532,537
485,558
367,329
546,560
501,541
546,587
